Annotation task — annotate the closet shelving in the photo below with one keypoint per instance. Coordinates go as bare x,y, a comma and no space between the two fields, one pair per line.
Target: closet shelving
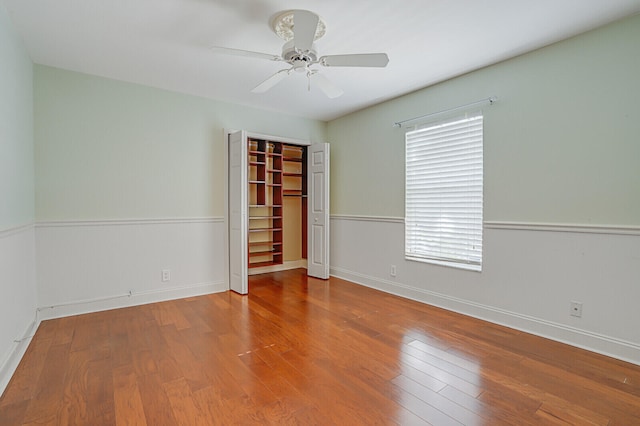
265,203
276,170
294,175
292,171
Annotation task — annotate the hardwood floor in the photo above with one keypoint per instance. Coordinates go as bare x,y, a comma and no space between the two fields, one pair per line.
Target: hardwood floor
306,351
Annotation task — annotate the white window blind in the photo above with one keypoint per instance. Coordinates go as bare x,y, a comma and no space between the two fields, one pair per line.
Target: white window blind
443,217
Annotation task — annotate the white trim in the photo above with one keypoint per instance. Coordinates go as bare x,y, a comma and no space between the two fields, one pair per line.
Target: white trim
77,307
84,301
15,354
255,135
565,227
448,264
517,226
605,345
112,222
16,230
282,139
225,219
388,219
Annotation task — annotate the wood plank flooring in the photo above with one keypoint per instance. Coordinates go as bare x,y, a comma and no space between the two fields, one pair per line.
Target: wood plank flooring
303,351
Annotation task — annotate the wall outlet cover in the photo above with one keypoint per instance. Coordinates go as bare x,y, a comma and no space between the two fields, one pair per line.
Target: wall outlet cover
576,309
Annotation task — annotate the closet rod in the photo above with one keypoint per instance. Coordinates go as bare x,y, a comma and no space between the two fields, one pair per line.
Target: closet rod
488,101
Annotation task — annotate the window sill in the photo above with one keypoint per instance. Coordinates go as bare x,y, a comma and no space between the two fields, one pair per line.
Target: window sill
449,264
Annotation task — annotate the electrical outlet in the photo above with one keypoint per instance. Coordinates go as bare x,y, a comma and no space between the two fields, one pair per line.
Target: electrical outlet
393,271
576,309
166,275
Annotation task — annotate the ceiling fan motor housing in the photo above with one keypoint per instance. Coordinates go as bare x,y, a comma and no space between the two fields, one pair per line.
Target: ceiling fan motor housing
300,60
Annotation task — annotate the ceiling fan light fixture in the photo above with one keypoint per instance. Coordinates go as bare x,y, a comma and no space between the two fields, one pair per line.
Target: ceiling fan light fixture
283,23
300,65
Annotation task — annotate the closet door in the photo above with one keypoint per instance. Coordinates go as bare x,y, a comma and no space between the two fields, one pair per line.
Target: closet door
318,221
238,220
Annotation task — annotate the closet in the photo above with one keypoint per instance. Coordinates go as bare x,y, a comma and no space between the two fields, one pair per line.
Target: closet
277,191
277,214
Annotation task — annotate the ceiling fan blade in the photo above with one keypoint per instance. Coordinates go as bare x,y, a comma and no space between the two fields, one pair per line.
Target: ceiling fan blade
305,24
356,60
331,90
271,81
245,53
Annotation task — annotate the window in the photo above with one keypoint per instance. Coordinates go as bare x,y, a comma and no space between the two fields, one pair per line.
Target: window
443,201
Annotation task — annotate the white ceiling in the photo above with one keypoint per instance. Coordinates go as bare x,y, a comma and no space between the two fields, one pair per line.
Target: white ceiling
165,43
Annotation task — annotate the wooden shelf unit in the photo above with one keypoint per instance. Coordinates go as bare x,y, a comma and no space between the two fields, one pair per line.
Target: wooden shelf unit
294,178
276,170
265,203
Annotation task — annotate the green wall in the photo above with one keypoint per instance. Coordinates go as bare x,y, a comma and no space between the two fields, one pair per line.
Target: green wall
16,129
562,145
112,150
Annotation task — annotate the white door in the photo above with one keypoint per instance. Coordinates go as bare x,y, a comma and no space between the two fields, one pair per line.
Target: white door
318,220
238,221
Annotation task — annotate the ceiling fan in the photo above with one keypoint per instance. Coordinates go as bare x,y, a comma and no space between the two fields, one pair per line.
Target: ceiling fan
299,29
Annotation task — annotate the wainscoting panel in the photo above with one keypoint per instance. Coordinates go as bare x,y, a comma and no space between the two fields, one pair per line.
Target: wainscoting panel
530,275
17,297
87,266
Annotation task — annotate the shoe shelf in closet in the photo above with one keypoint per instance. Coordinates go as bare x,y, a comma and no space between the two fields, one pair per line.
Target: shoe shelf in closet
265,203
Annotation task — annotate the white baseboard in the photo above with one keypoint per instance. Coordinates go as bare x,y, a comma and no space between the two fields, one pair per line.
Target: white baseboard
125,300
11,362
605,345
